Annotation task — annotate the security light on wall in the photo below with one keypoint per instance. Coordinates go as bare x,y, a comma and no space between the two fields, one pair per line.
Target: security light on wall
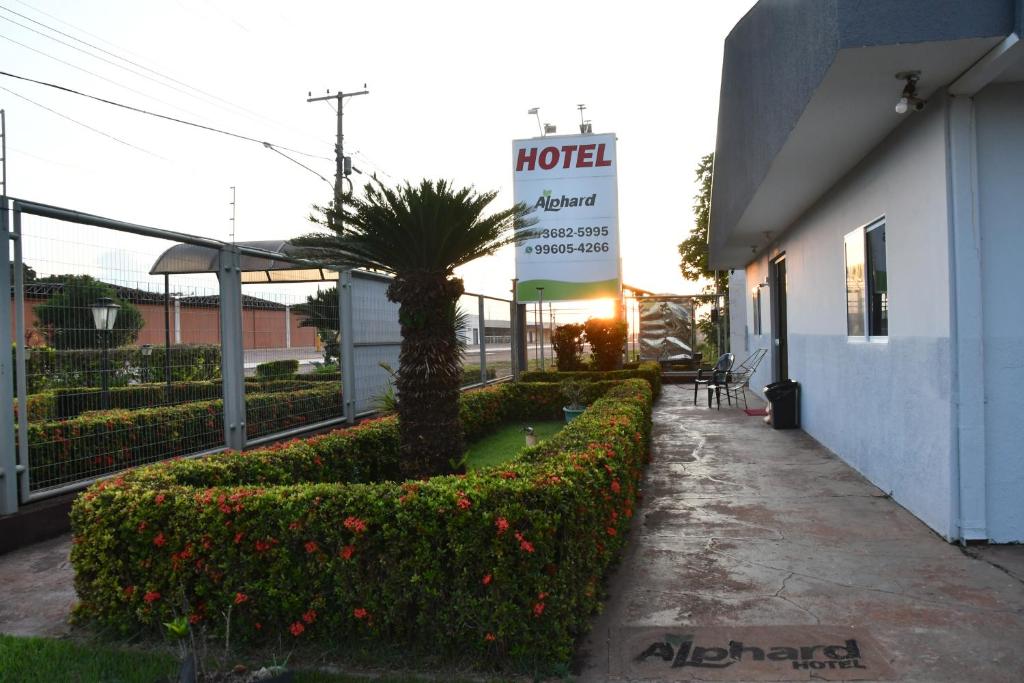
909,96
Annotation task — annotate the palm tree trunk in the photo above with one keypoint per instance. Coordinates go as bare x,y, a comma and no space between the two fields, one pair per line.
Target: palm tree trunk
429,374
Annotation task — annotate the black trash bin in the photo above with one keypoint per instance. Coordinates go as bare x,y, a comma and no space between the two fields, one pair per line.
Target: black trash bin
785,399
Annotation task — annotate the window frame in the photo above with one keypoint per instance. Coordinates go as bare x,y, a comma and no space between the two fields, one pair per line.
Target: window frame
861,234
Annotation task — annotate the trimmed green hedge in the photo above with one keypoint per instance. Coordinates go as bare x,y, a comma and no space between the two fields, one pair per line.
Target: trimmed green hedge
311,540
98,442
61,404
648,370
48,368
277,369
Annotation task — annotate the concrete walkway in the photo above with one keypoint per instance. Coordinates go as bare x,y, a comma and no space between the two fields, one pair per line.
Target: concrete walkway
758,555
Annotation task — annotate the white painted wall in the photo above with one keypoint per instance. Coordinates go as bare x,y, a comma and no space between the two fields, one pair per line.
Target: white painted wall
883,407
999,120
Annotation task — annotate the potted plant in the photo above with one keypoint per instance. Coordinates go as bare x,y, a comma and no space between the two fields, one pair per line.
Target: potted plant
574,391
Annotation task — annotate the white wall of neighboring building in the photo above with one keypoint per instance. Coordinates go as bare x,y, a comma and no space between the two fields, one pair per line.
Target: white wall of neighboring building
884,407
999,122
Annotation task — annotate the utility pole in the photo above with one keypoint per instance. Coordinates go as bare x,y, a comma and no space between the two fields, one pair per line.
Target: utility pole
232,214
343,166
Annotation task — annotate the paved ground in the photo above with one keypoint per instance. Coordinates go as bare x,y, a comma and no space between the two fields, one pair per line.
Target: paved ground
755,538
756,555
37,583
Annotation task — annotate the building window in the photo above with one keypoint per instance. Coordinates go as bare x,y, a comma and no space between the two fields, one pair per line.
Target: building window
867,290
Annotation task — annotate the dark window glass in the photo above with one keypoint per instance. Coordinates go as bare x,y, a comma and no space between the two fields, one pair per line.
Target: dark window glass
878,288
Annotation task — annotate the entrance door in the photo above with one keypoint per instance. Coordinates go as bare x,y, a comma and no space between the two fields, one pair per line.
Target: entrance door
780,369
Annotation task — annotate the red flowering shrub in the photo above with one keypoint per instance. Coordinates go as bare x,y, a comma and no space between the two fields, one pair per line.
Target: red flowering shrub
323,543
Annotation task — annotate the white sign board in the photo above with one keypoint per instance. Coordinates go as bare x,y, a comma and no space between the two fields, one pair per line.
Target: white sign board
570,183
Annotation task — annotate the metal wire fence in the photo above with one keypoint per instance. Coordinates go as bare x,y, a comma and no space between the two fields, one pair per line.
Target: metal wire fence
124,351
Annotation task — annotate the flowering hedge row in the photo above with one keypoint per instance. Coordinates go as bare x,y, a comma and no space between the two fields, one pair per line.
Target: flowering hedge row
503,564
646,370
99,442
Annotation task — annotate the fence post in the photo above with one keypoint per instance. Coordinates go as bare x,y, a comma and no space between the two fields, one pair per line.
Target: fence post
8,464
20,362
232,347
346,345
483,342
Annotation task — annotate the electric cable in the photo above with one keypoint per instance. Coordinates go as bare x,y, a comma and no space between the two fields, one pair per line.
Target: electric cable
240,108
174,119
96,75
84,125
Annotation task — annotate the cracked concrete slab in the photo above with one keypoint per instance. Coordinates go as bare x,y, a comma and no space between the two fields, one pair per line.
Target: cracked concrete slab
743,526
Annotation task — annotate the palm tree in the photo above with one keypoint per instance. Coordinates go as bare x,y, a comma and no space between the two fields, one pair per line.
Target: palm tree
420,234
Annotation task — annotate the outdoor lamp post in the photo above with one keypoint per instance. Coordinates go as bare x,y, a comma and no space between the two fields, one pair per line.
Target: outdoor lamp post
147,351
104,314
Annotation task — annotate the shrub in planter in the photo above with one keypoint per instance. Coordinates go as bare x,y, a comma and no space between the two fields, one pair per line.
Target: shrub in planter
606,337
503,564
567,341
277,369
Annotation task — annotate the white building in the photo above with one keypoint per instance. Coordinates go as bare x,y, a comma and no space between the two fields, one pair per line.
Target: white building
875,253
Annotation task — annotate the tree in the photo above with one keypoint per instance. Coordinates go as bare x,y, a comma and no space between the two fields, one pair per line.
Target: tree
66,320
420,234
28,273
321,311
693,257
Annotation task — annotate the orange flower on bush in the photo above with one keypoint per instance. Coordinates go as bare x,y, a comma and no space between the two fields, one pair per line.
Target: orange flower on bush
489,637
615,486
159,499
311,546
310,616
159,540
347,551
128,591
297,628
355,525
240,598
486,580
463,502
360,613
502,525
611,531
151,597
195,618
538,609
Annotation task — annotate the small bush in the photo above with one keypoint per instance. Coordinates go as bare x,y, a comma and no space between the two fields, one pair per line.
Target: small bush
606,337
567,341
316,540
277,369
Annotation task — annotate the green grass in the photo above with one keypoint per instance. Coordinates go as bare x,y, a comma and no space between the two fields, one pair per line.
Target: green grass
507,442
48,660
42,660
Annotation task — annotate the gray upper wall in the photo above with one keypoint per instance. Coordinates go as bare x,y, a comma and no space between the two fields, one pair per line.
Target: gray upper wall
777,56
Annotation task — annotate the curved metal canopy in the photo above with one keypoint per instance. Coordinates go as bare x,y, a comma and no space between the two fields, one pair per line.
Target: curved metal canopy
274,264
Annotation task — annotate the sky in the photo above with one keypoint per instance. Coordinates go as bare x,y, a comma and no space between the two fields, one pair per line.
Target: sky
450,85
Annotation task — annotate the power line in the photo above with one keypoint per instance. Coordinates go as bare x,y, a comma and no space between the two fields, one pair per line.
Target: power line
238,107
95,75
296,161
84,125
161,116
